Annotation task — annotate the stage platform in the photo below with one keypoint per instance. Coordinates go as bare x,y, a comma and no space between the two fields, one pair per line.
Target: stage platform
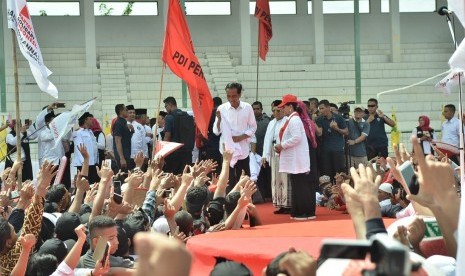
256,247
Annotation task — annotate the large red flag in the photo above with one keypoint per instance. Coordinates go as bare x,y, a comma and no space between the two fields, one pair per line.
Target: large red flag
262,13
179,55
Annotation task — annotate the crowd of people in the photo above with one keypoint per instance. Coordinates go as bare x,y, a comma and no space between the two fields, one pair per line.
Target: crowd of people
98,221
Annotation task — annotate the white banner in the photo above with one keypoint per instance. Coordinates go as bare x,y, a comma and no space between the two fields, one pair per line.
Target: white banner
64,122
457,60
20,21
451,80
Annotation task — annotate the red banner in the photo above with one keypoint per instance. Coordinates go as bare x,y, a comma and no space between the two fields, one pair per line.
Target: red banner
262,13
179,55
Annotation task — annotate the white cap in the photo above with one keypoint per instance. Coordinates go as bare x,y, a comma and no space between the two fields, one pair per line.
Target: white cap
386,187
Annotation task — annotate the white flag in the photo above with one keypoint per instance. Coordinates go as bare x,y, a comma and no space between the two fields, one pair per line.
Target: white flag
20,21
458,8
457,60
64,122
451,80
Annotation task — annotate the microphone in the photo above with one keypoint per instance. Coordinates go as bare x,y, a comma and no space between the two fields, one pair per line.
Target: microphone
444,11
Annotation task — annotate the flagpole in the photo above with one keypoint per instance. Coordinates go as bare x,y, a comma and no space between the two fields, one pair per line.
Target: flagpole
18,120
155,134
258,60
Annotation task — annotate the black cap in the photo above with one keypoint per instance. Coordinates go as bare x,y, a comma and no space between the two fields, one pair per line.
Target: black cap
141,111
65,226
225,267
55,247
130,107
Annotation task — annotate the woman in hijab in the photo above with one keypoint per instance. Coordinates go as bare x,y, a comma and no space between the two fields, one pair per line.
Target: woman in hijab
294,158
424,134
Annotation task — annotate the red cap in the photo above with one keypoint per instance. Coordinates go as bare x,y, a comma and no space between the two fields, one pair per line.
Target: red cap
288,98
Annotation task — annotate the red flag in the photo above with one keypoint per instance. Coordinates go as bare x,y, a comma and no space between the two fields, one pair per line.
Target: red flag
179,55
262,13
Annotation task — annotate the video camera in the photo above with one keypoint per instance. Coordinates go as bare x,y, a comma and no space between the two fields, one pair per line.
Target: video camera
344,109
389,255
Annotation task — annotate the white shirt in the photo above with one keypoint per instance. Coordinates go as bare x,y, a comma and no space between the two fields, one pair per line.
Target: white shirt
48,142
109,143
451,131
241,120
138,142
148,130
11,140
86,137
272,134
295,156
34,132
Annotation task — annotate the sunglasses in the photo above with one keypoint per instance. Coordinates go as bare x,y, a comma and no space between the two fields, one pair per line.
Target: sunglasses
371,105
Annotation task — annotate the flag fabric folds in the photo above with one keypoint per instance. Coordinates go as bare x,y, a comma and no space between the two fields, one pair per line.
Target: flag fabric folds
450,81
262,13
179,55
20,21
395,134
64,122
3,147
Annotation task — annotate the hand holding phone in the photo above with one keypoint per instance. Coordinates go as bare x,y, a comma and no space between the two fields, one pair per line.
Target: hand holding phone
409,178
101,249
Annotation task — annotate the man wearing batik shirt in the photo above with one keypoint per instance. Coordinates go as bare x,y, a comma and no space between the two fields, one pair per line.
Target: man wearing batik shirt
11,247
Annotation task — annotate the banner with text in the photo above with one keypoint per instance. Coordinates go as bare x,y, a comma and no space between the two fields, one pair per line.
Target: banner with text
179,55
262,13
20,21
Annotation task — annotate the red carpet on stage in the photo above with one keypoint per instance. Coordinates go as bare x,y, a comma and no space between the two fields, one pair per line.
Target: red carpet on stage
256,247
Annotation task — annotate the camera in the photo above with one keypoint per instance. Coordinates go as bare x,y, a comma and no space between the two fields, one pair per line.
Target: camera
389,255
344,109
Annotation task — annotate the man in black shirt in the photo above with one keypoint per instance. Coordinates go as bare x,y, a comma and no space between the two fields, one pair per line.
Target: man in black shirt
122,137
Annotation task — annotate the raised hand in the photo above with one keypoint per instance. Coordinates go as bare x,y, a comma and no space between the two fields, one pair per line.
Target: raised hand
298,264
159,253
46,173
139,159
201,179
169,210
83,150
27,241
27,192
81,232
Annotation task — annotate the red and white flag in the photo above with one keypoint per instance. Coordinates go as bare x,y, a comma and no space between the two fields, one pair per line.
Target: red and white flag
179,55
262,13
165,148
20,21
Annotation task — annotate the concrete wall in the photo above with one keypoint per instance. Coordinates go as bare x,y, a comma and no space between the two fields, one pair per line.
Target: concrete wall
225,30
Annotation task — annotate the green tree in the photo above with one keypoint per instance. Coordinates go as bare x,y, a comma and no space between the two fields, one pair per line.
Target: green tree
104,10
128,10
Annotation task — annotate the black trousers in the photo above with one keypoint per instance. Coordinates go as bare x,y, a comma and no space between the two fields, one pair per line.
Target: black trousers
214,154
303,195
332,162
235,173
93,176
176,161
264,181
372,152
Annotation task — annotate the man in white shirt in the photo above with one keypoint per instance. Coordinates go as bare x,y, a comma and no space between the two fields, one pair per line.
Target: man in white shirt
85,136
280,186
240,118
49,151
141,134
138,138
451,129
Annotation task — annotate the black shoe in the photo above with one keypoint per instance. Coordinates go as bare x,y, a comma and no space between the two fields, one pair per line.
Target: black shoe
280,211
287,211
